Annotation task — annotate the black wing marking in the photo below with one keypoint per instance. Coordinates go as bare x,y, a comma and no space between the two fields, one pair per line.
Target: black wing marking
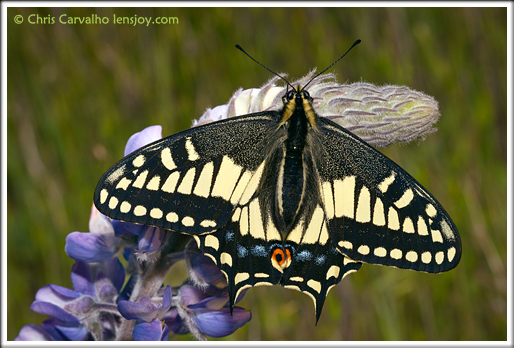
377,213
188,182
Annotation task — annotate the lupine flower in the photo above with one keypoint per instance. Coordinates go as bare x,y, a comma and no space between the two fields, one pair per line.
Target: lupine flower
75,313
155,330
148,315
205,312
53,330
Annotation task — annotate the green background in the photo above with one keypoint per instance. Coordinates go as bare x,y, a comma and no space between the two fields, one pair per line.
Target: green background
77,92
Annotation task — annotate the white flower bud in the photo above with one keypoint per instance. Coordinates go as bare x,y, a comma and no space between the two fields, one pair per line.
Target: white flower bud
380,115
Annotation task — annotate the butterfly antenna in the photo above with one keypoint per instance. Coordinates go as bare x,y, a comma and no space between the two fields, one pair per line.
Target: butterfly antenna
265,67
354,44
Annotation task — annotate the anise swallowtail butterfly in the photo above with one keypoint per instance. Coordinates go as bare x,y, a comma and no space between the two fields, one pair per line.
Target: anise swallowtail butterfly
283,197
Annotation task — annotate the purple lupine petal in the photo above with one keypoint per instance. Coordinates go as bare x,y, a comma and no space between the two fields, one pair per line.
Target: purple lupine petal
123,228
53,310
33,333
152,331
241,295
131,310
145,308
115,272
56,294
149,304
140,139
170,315
166,297
165,332
191,295
210,303
221,323
150,239
174,322
63,331
128,253
99,223
78,333
206,269
90,247
81,278
166,301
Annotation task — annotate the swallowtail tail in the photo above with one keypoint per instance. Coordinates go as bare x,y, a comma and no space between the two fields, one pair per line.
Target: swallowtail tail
283,197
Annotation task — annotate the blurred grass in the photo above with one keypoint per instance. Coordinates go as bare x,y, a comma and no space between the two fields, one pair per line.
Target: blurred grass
77,92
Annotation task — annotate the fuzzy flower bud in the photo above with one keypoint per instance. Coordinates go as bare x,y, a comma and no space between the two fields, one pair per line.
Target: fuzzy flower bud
379,115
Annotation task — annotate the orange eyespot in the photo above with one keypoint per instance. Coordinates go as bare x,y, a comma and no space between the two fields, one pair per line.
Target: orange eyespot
281,258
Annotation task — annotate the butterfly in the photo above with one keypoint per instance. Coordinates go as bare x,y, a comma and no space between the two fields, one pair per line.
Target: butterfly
283,197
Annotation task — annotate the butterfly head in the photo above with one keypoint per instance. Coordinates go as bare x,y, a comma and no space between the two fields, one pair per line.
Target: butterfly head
296,95
298,100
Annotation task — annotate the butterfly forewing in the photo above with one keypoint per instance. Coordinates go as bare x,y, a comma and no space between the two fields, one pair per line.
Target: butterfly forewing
188,182
377,212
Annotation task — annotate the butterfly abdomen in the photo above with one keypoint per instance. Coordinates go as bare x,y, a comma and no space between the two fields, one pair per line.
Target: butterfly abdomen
292,187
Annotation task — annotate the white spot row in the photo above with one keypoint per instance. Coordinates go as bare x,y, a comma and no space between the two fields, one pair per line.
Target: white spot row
155,213
397,254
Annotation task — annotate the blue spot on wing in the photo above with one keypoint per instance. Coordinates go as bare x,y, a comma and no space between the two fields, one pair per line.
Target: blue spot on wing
320,260
241,251
229,236
304,255
259,250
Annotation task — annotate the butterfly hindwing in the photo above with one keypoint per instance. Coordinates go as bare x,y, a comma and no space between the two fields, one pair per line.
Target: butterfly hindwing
190,181
317,265
377,212
242,250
